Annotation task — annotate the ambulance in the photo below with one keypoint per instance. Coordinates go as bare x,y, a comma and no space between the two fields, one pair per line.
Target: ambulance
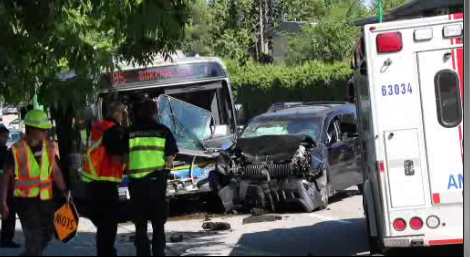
408,84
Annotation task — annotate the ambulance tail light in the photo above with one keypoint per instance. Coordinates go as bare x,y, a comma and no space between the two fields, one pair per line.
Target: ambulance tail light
416,223
381,166
399,225
389,42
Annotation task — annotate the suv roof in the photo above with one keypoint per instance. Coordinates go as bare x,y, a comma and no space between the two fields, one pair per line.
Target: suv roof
312,109
289,105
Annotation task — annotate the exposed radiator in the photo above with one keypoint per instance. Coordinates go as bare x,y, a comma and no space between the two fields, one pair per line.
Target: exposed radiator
275,170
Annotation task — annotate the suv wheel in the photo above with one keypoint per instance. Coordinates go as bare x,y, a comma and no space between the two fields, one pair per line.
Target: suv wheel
325,190
361,188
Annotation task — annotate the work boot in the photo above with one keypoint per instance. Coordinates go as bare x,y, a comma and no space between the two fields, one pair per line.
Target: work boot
10,244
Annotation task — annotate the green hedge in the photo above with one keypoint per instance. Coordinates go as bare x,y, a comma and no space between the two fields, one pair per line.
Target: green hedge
259,86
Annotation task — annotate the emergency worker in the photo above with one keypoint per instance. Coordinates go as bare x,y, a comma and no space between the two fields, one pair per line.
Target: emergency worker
103,173
33,168
151,149
8,225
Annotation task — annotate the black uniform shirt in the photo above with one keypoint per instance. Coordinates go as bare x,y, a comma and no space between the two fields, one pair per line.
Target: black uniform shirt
3,155
114,141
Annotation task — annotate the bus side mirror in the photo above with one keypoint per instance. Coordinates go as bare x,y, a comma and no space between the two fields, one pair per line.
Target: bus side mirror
240,112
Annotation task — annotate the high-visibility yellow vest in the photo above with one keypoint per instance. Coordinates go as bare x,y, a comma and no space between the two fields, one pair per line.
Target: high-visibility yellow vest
147,155
31,178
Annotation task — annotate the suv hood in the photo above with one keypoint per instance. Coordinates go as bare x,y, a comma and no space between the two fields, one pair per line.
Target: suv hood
273,148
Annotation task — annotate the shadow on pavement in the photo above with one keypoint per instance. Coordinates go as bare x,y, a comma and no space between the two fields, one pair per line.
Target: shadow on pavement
330,238
194,244
82,245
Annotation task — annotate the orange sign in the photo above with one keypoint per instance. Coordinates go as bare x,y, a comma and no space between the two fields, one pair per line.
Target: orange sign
66,223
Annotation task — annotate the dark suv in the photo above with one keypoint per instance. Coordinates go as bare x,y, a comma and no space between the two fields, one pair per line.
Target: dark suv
295,153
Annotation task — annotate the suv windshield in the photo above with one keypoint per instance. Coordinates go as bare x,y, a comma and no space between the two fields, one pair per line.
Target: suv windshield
190,124
283,126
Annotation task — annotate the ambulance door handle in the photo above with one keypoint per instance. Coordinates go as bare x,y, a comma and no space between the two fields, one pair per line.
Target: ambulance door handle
409,168
447,56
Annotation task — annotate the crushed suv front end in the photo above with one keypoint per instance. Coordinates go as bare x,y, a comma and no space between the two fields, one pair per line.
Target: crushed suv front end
269,172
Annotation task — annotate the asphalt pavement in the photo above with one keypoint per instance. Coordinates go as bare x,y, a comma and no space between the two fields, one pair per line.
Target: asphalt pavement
338,231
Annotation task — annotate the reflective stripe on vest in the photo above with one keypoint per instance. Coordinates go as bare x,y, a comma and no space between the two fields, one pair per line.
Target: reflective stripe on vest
99,165
31,179
147,155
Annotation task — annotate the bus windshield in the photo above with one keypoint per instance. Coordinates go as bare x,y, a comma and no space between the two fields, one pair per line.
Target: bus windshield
194,100
190,124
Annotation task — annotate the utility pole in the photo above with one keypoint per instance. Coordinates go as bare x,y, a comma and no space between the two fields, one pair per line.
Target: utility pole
380,9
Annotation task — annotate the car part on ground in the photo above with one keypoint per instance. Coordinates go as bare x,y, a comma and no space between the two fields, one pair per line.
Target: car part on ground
216,226
261,219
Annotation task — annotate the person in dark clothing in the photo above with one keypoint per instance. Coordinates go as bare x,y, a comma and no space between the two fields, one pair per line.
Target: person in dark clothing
104,170
8,224
151,148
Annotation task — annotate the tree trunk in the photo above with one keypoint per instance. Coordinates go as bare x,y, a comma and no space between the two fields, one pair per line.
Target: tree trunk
270,23
70,142
261,27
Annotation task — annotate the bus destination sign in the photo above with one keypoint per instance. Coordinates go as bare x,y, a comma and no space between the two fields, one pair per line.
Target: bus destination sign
168,74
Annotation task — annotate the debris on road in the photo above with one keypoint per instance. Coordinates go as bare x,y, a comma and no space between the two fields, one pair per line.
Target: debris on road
216,226
258,212
262,218
177,238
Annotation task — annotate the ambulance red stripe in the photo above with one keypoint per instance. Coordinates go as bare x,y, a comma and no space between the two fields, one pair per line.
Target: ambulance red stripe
446,242
459,68
458,16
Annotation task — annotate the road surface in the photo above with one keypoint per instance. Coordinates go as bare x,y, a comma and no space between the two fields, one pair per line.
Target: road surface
339,230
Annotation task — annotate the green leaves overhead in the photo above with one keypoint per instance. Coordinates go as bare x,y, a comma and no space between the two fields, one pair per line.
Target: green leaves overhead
331,38
231,28
41,38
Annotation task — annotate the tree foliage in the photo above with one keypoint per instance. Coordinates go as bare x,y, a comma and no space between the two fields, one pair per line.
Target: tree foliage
226,28
301,10
41,38
331,38
231,28
388,5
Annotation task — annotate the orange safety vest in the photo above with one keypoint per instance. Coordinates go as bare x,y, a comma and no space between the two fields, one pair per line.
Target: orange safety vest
31,178
99,165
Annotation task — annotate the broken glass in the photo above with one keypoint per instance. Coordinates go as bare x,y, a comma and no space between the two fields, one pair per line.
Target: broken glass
190,124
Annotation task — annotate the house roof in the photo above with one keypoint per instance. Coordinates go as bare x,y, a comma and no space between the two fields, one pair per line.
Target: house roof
411,9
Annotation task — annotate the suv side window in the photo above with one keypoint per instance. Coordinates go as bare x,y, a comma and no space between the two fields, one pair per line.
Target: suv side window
334,132
349,123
